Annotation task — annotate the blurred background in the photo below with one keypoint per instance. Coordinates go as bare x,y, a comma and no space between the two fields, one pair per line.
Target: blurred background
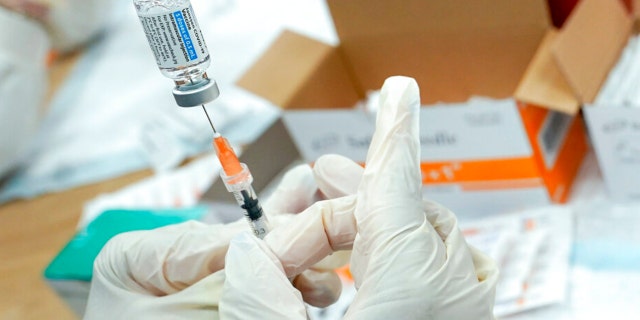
529,133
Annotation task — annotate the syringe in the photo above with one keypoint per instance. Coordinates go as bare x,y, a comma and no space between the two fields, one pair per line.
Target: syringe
238,179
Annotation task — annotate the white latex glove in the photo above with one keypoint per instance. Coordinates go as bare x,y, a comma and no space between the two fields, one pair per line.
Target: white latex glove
409,259
70,23
175,271
24,45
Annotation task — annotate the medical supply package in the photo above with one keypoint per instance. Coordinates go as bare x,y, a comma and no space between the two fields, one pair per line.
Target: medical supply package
519,145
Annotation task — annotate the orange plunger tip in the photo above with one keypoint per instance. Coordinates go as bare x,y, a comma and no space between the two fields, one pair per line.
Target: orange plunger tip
228,159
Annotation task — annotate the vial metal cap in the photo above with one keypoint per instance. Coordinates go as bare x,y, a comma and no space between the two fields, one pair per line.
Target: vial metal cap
196,94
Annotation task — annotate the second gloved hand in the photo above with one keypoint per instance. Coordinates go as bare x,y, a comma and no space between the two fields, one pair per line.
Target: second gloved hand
177,271
409,259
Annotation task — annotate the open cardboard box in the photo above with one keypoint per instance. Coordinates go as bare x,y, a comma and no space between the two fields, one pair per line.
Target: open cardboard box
615,135
497,157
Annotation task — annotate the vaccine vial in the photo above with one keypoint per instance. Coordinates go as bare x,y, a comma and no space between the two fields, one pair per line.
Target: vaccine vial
177,43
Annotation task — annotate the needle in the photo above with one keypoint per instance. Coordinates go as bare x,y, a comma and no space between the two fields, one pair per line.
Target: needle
211,123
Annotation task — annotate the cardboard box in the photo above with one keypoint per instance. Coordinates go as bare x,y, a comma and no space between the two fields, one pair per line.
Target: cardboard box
496,158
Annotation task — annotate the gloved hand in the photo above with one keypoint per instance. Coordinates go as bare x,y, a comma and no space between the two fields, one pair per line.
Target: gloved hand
176,271
409,258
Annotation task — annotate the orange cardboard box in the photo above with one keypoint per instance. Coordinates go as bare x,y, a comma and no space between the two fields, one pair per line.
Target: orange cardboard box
456,50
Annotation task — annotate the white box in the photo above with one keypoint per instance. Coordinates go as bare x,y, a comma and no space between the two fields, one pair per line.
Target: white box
458,144
615,135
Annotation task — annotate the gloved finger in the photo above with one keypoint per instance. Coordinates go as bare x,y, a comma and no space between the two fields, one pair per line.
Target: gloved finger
317,232
166,260
390,193
108,302
335,260
318,288
471,272
442,219
323,286
337,176
485,268
395,242
256,286
466,258
332,176
296,191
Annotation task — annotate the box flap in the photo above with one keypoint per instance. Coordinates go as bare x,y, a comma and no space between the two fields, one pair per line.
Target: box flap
299,72
543,84
590,43
482,46
635,11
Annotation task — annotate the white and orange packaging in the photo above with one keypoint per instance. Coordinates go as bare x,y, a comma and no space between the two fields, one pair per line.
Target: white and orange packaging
523,149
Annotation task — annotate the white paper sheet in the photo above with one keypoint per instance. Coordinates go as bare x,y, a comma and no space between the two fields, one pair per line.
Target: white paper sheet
182,187
534,269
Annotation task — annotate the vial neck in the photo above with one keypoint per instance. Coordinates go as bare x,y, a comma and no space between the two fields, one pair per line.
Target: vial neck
191,79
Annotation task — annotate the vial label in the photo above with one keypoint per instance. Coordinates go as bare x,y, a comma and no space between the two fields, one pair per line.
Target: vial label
175,37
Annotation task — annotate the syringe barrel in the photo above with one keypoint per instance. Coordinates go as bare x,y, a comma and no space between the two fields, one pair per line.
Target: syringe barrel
260,227
247,199
239,181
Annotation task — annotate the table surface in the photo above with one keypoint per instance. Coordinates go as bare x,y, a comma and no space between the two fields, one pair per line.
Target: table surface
32,232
